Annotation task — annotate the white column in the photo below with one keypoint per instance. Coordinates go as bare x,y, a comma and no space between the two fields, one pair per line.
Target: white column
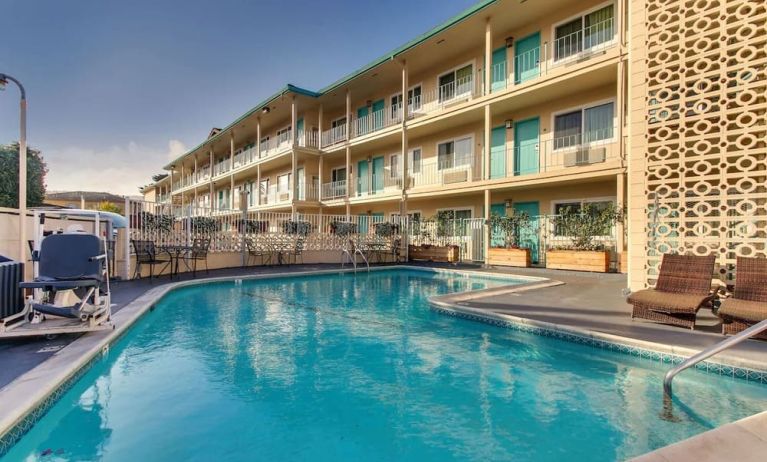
487,225
258,137
619,227
293,160
348,170
404,112
321,175
348,116
258,185
319,128
210,181
486,143
488,55
231,170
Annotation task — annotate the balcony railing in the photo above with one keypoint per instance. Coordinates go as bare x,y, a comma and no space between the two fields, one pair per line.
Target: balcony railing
275,195
334,190
445,96
334,136
376,120
377,183
454,170
592,38
221,167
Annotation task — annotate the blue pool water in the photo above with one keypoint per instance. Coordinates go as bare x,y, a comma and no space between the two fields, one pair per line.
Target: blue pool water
344,367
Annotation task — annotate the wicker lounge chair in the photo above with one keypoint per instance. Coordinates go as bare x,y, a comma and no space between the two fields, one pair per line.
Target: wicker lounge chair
683,287
748,303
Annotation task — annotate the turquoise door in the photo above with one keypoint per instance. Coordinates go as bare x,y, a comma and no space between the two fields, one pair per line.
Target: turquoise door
527,58
526,146
363,180
496,235
362,120
498,152
528,235
499,69
300,131
378,174
378,114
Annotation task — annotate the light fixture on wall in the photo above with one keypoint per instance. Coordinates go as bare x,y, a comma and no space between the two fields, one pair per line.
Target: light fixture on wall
509,124
509,42
507,203
265,110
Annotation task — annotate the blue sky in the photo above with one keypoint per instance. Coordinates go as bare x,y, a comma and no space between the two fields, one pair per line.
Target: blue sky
117,87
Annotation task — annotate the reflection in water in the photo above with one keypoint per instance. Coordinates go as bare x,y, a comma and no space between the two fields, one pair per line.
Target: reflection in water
345,368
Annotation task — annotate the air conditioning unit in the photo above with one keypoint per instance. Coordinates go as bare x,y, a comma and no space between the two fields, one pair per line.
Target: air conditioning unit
457,176
584,156
284,197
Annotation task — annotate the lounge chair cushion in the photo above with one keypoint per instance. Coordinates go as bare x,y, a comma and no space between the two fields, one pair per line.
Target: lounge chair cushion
743,309
668,302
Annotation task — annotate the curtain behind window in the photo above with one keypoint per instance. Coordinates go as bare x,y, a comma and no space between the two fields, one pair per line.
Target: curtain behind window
569,38
599,27
598,123
567,130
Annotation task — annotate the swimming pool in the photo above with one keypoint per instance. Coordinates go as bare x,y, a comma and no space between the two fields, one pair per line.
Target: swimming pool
345,367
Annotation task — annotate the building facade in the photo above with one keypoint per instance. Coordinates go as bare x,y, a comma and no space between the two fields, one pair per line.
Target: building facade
527,106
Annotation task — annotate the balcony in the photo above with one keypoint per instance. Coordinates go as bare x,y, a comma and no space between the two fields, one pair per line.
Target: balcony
283,143
376,184
222,167
539,61
376,120
333,136
445,96
455,170
334,190
276,195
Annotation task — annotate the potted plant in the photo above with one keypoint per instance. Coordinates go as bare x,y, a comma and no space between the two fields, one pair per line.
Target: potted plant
428,250
581,227
507,251
343,228
302,228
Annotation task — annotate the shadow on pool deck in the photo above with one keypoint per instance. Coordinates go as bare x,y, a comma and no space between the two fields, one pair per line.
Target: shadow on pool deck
586,300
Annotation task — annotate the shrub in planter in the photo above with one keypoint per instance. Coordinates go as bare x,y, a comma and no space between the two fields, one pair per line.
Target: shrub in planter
204,225
302,228
252,226
509,253
386,229
343,228
156,222
582,227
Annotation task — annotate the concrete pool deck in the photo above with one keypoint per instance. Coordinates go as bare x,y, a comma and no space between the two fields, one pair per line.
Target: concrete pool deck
583,302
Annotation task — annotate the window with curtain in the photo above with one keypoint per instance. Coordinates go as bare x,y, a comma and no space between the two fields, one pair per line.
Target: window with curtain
415,161
583,33
283,183
455,83
396,103
414,98
338,174
567,129
598,123
454,153
394,165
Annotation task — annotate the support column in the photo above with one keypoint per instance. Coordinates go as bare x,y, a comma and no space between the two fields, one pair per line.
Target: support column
258,137
620,243
322,164
348,116
349,176
258,185
486,144
488,56
486,225
319,127
231,170
404,112
293,160
620,110
210,181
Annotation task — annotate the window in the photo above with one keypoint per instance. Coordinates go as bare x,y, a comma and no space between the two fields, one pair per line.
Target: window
283,136
415,161
338,174
396,105
394,161
575,206
283,183
585,125
264,188
583,33
454,153
413,101
338,122
264,143
453,224
455,83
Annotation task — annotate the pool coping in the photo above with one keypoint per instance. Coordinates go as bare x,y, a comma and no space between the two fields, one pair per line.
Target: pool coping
26,399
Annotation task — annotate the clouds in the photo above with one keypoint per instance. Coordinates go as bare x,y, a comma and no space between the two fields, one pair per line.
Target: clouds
116,169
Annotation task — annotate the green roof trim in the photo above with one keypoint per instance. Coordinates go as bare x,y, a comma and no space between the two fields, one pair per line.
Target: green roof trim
289,88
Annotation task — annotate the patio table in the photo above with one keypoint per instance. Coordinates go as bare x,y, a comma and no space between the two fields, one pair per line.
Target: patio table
176,252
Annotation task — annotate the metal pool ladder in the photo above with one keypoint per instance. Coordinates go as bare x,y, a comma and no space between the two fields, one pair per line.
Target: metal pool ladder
352,253
711,351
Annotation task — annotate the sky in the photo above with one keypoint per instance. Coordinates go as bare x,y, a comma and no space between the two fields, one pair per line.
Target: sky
117,88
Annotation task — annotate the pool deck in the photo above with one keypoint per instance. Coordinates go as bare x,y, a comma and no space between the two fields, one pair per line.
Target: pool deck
569,301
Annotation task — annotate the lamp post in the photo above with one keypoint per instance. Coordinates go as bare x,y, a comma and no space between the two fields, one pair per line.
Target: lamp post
4,79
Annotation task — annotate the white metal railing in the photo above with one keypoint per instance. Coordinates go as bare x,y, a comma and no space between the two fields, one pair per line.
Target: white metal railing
376,120
275,146
334,135
308,139
456,170
445,95
307,191
276,195
595,37
377,183
334,190
221,167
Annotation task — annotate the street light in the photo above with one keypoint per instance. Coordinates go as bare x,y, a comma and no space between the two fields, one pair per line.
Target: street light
4,79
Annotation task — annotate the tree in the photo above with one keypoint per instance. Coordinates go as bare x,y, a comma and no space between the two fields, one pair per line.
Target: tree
9,176
109,207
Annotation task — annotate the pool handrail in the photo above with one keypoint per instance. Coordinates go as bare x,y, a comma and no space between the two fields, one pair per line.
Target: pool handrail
711,351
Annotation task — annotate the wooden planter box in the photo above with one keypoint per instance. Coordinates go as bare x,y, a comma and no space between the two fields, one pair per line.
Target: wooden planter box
509,257
579,260
447,253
